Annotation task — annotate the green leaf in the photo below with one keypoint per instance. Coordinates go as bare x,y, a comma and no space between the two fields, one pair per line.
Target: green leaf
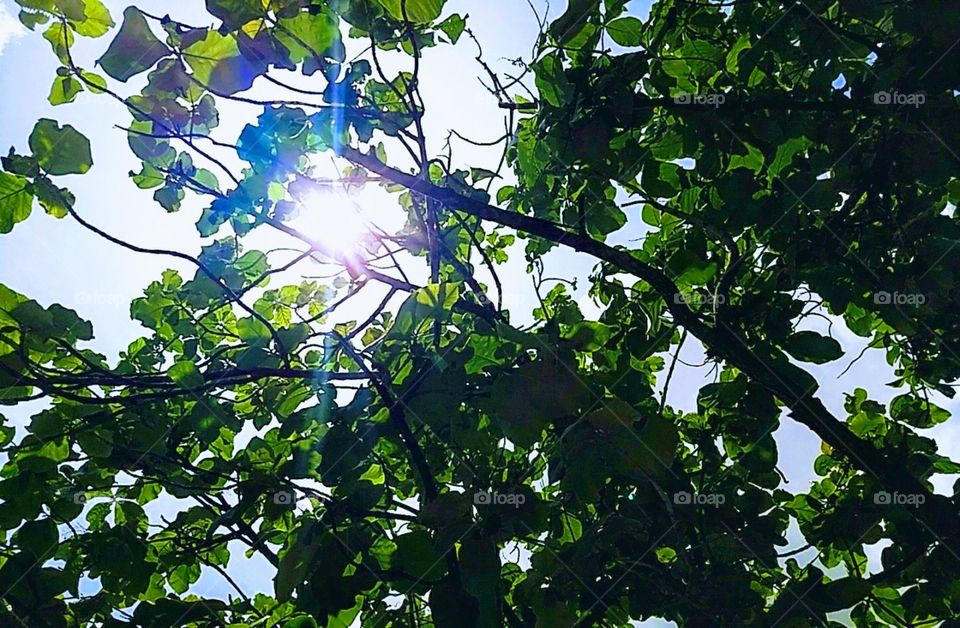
253,331
417,556
917,412
434,301
809,346
785,154
753,160
418,11
531,396
589,335
134,49
453,27
96,21
659,437
39,538
174,612
169,197
148,178
186,374
652,447
46,425
60,150
666,555
733,56
551,81
64,90
482,174
866,424
20,164
218,65
295,565
626,31
439,298
61,40
847,592
55,201
660,179
689,269
308,35
236,13
94,82
183,576
29,19
573,20
480,564
16,201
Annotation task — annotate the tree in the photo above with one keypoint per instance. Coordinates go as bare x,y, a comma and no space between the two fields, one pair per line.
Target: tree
789,160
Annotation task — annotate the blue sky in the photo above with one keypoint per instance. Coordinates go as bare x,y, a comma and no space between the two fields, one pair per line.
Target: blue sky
57,261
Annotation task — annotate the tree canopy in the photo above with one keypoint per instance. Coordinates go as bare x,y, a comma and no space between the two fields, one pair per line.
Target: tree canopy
445,459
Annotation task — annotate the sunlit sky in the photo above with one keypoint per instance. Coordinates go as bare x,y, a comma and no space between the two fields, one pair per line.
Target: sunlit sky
54,260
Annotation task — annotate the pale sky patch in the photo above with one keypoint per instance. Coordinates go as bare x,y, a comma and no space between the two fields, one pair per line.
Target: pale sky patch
10,27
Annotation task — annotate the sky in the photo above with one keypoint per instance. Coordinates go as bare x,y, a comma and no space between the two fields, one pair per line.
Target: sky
54,260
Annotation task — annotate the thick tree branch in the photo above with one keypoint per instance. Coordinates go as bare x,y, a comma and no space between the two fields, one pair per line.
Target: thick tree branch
773,370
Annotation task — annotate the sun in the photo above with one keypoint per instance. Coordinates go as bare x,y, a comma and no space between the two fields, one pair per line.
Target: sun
335,221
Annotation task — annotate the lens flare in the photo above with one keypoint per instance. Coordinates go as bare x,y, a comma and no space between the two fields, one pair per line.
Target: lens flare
334,221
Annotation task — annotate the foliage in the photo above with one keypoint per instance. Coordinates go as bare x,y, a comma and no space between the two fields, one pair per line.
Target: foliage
434,462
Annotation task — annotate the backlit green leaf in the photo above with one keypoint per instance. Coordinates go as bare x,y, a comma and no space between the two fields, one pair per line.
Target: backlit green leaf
134,49
186,374
60,150
218,65
414,10
626,31
15,201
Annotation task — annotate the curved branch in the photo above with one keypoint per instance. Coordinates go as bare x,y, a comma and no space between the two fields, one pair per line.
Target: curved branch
206,271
